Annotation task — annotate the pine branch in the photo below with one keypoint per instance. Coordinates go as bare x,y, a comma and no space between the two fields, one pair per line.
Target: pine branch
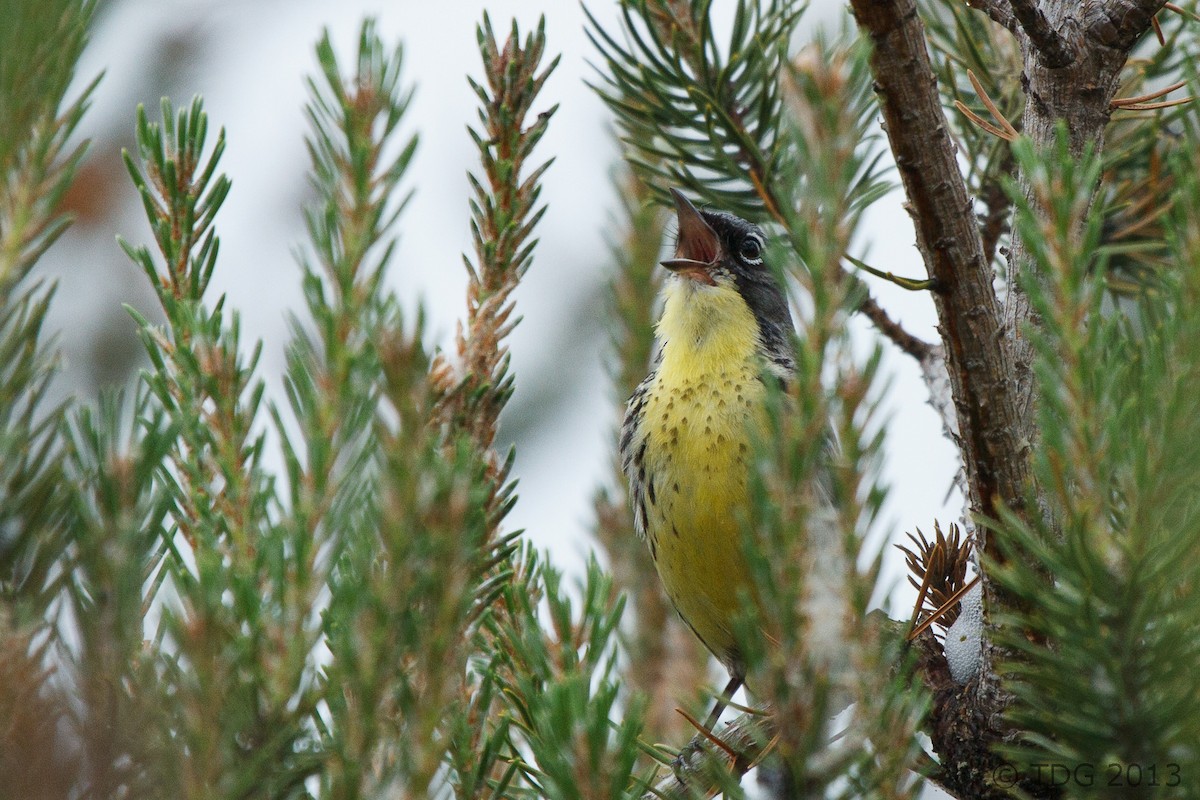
39,48
559,676
718,117
335,374
505,211
381,516
115,454
232,632
666,661
471,393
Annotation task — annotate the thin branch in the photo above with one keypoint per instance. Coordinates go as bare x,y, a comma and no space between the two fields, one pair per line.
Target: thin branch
996,204
908,284
914,346
1055,50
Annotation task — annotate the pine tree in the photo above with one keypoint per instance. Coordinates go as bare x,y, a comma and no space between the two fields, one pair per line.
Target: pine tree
178,621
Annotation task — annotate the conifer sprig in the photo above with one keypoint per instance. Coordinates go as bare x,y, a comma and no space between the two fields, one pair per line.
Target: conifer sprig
472,391
666,661
831,130
695,113
39,48
404,596
335,374
229,639
504,209
119,506
376,509
571,736
1122,549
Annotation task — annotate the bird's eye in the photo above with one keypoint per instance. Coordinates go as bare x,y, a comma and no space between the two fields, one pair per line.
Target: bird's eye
751,249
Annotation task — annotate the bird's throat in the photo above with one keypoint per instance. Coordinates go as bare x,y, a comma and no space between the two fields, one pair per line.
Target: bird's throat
704,327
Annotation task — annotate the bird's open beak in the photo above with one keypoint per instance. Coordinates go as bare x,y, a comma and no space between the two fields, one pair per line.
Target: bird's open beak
698,249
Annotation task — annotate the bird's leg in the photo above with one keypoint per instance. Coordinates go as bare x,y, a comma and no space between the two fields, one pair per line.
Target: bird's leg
734,684
696,745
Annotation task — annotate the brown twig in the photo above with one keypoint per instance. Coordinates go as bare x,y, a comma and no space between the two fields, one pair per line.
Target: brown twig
913,345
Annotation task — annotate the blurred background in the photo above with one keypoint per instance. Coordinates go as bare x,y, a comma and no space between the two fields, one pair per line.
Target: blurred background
249,58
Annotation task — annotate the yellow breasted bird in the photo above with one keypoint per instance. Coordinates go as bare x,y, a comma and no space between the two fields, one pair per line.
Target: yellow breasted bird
687,438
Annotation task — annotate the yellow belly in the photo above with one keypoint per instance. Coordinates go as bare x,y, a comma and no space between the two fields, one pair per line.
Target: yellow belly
698,442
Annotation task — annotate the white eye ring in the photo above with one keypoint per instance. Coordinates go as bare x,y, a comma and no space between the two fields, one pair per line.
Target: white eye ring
751,249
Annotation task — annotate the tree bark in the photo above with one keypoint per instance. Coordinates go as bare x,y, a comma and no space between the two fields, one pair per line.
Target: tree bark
1073,53
1077,94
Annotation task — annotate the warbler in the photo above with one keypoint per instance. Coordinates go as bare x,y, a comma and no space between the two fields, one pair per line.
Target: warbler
687,438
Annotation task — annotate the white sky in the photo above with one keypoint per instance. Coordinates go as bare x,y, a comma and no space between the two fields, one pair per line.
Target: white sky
248,60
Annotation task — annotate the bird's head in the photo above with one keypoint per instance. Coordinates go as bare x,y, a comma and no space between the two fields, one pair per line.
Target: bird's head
718,267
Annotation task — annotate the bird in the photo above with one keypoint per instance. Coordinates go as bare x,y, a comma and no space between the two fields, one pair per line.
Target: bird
687,439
